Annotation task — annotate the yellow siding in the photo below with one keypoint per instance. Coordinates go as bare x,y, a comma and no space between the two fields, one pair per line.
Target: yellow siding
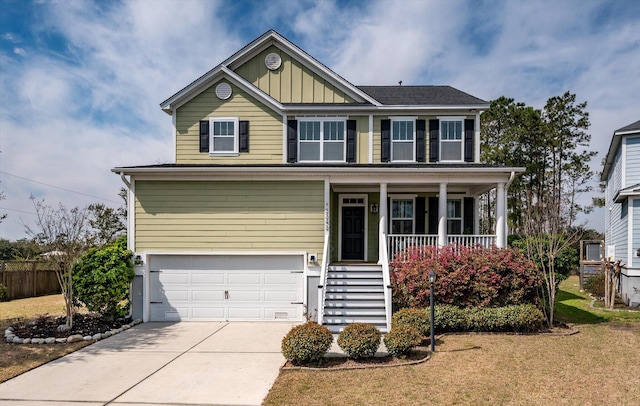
362,142
265,128
229,216
292,82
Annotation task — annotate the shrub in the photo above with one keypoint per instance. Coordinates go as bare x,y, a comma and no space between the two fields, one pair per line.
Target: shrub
360,340
4,293
306,343
467,277
401,340
526,318
595,285
419,319
102,278
449,318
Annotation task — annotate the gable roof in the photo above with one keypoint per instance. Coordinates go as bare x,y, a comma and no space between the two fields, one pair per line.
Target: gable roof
632,128
422,95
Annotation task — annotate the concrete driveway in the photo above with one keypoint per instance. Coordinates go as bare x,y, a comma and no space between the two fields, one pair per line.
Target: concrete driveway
189,363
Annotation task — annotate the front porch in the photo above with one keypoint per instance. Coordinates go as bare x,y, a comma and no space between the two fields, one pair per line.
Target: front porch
367,225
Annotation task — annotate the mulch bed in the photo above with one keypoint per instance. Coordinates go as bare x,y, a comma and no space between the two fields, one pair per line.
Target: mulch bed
418,355
83,324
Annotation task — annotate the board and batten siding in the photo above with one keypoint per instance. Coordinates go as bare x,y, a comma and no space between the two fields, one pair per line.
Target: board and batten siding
619,225
229,216
292,82
265,128
632,161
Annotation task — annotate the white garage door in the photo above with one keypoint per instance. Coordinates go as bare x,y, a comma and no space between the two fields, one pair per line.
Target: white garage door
240,288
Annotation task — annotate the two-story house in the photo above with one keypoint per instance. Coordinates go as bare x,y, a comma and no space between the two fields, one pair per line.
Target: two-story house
621,175
292,189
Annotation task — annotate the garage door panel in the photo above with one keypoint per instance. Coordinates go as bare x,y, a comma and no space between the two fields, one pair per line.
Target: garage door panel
208,295
207,287
244,278
207,278
281,278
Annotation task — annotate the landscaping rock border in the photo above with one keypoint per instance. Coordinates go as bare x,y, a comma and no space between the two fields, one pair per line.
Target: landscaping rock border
11,338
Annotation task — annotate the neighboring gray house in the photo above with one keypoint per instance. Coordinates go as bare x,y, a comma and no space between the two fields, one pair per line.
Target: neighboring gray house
622,202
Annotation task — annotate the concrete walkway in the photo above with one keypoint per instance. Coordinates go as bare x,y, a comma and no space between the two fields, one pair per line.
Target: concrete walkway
189,363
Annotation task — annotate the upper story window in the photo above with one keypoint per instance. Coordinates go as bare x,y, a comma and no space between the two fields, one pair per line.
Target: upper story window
403,140
451,140
322,140
224,136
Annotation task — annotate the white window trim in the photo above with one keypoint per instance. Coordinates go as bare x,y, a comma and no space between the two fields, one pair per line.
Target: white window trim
322,120
461,218
440,140
364,204
413,142
390,208
236,136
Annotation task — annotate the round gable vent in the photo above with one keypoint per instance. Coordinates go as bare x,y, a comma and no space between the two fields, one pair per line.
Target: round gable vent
223,91
272,61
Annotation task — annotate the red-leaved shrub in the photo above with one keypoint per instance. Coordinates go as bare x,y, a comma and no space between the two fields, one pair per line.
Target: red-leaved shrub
466,277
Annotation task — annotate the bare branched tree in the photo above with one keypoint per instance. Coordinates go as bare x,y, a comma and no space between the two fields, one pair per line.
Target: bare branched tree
64,232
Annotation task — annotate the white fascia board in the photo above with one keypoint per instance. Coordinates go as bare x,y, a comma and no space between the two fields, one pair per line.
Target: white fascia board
273,38
224,73
381,110
627,132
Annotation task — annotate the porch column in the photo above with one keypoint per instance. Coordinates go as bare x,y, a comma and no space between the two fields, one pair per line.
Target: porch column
383,219
501,235
442,215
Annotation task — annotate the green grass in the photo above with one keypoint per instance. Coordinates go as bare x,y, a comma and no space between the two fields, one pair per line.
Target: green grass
572,306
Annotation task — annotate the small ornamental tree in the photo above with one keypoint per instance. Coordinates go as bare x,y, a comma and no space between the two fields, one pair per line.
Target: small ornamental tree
102,279
466,277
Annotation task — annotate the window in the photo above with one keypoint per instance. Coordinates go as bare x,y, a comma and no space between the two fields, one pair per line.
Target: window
451,139
322,140
402,216
454,216
402,140
224,136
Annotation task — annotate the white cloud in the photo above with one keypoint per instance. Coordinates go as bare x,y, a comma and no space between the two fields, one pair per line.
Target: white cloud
19,51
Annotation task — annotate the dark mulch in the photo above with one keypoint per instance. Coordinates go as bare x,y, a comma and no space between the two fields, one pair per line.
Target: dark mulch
418,354
83,324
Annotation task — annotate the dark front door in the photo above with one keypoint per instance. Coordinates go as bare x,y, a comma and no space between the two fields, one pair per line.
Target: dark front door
353,233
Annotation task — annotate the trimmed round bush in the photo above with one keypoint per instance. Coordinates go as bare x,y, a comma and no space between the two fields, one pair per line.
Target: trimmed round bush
401,340
306,343
419,319
360,340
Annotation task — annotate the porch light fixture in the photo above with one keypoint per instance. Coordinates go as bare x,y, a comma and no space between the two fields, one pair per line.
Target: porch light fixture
432,279
374,208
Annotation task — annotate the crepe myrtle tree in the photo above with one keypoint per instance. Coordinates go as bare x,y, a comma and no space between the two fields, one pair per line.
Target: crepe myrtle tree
64,232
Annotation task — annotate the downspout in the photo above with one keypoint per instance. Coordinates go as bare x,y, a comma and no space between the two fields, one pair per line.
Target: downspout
128,184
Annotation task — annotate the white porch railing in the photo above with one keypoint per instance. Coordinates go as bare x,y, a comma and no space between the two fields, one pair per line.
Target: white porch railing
398,243
386,277
322,285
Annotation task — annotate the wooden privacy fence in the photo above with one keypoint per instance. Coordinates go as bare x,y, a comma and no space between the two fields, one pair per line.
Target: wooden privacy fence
29,279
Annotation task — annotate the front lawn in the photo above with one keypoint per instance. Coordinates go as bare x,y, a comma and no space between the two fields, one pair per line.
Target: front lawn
596,366
19,358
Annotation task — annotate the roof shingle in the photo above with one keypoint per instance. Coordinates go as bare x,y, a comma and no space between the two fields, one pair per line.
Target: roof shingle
421,95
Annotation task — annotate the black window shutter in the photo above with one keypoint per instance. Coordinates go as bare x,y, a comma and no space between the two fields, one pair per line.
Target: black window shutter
420,209
351,140
468,216
434,141
292,141
433,215
204,135
243,133
469,129
421,148
385,135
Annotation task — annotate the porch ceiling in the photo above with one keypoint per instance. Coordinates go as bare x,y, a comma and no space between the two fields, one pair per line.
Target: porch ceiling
452,189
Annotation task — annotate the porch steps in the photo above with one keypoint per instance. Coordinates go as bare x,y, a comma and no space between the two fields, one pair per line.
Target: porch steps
354,294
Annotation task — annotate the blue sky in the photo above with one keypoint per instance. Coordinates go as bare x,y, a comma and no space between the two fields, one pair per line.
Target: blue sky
80,81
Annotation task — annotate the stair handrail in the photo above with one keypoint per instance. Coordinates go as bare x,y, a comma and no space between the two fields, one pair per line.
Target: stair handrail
386,277
324,269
